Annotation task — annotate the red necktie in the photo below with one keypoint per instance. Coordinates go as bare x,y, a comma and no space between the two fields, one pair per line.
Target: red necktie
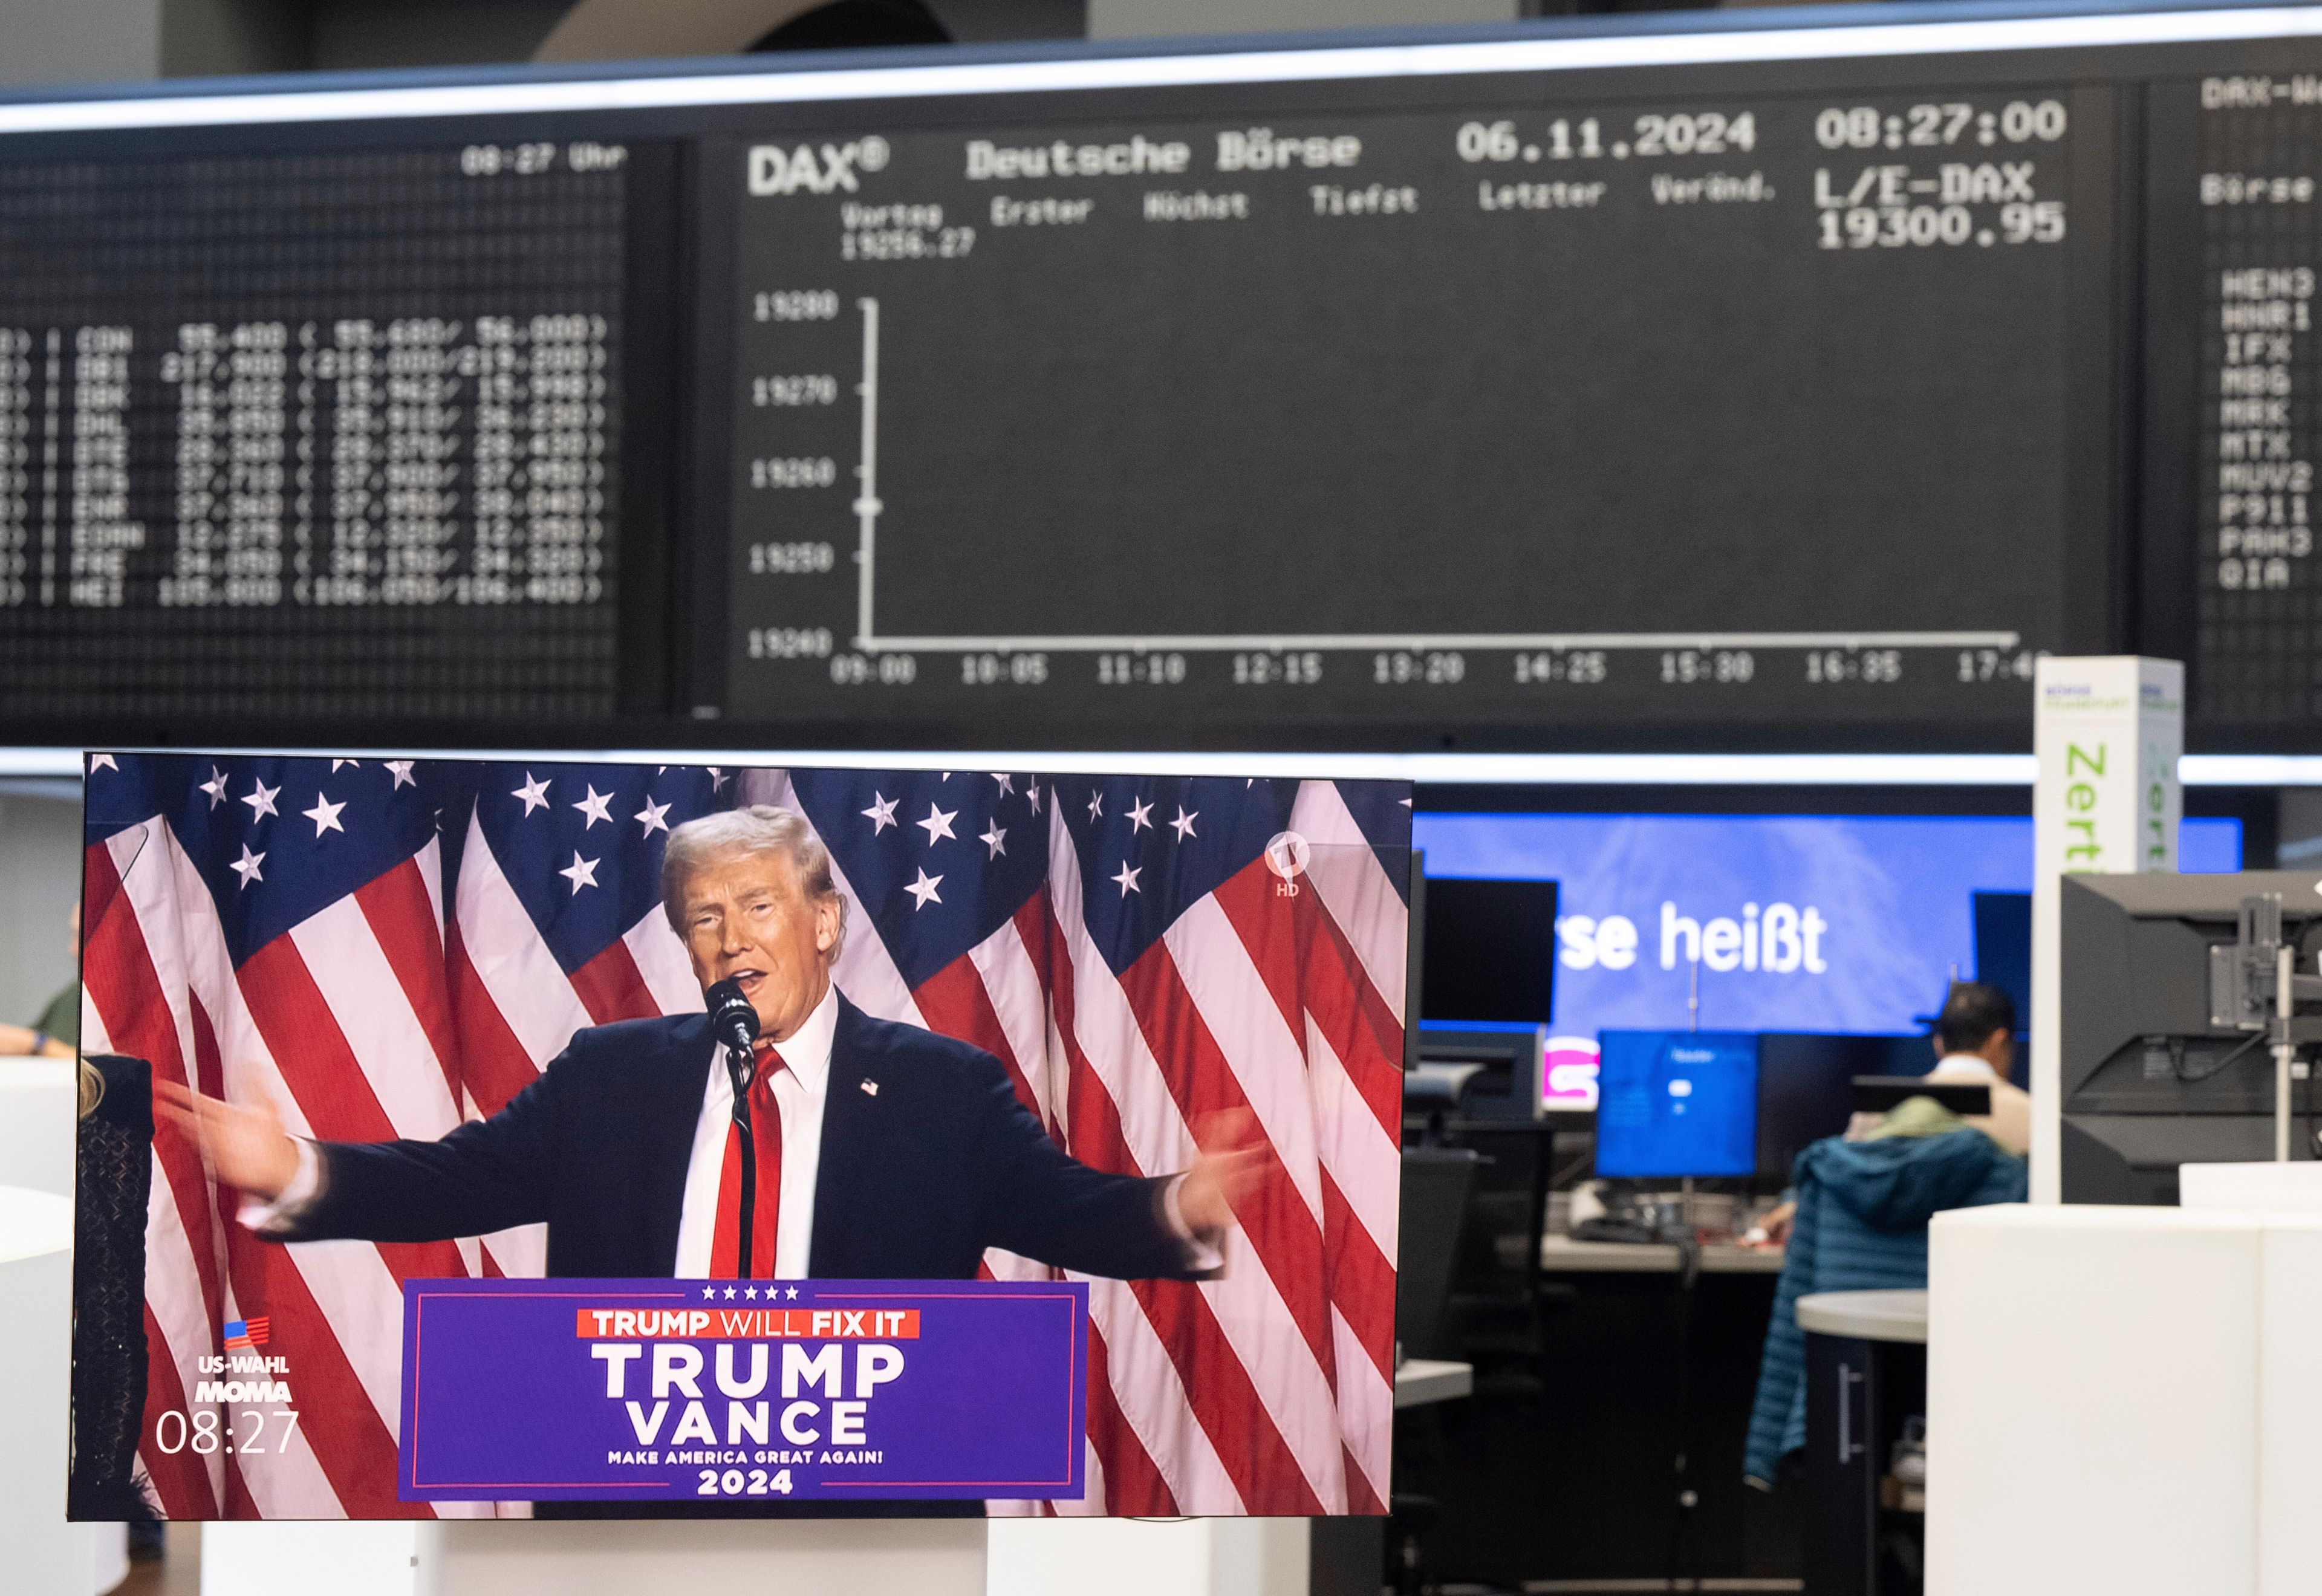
766,1135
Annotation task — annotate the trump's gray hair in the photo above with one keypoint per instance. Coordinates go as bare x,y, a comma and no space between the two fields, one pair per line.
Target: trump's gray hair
761,828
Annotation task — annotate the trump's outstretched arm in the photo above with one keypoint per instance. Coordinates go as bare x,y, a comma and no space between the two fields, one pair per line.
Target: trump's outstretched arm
1048,1205
486,1175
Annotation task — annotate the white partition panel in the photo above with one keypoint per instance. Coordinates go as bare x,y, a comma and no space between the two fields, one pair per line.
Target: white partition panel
2123,1399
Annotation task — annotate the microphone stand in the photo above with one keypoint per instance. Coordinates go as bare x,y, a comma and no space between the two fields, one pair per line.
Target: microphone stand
739,1066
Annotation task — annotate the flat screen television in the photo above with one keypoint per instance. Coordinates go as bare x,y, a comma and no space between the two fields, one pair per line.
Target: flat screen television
565,1137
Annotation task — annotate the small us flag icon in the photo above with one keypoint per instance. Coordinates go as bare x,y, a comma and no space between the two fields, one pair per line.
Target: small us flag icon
242,1334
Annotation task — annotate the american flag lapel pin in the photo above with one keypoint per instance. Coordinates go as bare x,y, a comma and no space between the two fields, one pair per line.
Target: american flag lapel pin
870,1089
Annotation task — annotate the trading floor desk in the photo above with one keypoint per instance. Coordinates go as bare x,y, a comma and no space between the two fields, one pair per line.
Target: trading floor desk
1560,1255
1422,1381
1866,1375
1559,1472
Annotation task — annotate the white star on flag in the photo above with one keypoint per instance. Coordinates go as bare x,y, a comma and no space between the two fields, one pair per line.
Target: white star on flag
593,806
1126,879
1007,783
729,1293
534,792
581,872
793,1290
260,799
325,815
709,1293
924,890
991,838
650,817
214,787
246,867
751,1292
102,762
1141,815
718,780
338,764
1096,803
400,768
882,813
938,824
1184,824
1032,792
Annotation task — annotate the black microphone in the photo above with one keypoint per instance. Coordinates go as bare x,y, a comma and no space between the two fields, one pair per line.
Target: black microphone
736,1024
731,1016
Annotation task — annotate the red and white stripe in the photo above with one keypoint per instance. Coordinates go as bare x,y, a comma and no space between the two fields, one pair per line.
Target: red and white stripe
1270,1390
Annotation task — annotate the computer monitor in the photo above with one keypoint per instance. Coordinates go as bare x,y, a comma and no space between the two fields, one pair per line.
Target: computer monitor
1879,1094
1677,1103
1489,951
1491,1073
1806,1087
2163,1063
2003,948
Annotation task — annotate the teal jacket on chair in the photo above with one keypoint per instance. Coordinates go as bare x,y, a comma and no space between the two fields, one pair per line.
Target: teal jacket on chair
1861,1225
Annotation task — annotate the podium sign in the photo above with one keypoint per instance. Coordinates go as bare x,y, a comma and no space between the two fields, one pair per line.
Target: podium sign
742,1391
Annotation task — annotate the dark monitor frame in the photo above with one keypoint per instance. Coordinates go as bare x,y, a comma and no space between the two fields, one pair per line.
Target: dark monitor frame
1876,1094
1478,978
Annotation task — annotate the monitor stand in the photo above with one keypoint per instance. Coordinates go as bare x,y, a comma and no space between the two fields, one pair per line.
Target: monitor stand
489,1557
865,1557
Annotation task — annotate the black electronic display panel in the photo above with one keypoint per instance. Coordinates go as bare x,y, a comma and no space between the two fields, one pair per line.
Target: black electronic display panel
315,436
1791,383
2237,234
1756,410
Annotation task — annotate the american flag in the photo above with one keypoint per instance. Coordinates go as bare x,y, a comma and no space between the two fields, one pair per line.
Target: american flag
242,1336
385,948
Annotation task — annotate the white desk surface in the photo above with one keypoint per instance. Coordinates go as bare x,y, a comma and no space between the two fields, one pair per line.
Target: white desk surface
1560,1255
1422,1381
1872,1316
32,1224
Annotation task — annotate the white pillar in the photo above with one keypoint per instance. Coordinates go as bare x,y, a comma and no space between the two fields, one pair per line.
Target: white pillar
300,1558
2108,732
1149,1557
2122,1399
613,1557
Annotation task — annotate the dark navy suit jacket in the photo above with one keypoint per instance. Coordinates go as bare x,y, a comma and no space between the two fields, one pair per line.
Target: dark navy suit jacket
916,1179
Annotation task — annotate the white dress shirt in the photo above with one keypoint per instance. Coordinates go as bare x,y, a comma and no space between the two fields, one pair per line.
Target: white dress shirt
2009,1123
801,1088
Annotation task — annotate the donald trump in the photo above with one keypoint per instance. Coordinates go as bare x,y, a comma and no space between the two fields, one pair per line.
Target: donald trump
880,1151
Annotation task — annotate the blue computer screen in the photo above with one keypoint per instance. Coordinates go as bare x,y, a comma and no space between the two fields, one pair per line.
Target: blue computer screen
1673,1103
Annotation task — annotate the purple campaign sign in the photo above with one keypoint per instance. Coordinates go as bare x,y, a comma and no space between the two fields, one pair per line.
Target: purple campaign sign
742,1391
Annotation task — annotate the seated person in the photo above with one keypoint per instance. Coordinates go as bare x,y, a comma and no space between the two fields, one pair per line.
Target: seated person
1975,1043
1860,1224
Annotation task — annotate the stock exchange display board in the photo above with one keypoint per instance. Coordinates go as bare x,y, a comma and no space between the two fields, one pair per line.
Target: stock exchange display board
1642,411
299,432
1786,385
